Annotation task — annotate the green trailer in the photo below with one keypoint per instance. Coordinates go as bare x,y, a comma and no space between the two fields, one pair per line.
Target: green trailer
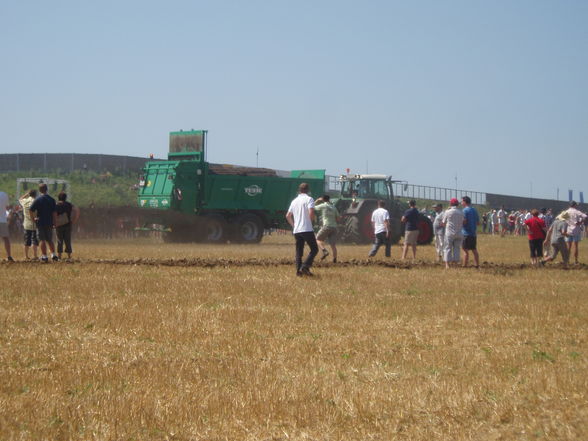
193,200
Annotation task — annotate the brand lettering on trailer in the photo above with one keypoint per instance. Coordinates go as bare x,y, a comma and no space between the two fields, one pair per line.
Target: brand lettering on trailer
253,190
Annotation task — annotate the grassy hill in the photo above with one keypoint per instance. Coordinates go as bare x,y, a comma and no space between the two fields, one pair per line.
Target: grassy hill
86,188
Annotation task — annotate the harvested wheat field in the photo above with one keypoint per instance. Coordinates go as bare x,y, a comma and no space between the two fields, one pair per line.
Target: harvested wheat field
140,340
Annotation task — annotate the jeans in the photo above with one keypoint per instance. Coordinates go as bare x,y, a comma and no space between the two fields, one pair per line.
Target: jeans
381,239
302,238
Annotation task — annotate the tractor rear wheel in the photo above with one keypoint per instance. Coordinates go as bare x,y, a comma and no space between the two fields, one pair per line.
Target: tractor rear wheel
353,231
425,230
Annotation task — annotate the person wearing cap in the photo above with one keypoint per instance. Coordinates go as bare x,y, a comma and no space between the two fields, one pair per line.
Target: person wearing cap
439,231
411,230
452,221
469,231
556,238
575,223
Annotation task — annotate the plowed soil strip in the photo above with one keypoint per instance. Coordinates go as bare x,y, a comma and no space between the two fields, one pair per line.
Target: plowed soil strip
497,268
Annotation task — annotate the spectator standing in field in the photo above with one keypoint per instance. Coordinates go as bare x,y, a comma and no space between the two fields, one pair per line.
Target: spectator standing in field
329,216
382,231
30,230
4,234
536,235
548,218
556,238
300,216
484,222
439,231
469,231
502,220
494,221
411,231
43,212
575,224
67,215
452,220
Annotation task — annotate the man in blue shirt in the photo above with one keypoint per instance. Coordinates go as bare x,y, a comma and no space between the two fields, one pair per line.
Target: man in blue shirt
43,212
470,225
411,231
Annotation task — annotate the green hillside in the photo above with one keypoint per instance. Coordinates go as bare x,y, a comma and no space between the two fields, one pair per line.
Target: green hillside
86,188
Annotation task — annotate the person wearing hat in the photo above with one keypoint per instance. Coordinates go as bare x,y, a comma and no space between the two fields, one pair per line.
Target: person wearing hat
452,220
439,231
556,237
575,222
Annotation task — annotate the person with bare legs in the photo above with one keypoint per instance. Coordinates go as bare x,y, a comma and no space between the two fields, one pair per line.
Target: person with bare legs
575,223
30,230
45,216
328,233
411,233
470,226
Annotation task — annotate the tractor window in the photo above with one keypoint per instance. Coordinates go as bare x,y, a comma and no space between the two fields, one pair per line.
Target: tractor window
380,190
347,188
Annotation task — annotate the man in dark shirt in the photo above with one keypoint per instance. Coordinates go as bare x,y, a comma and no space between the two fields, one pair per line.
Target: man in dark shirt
411,229
43,212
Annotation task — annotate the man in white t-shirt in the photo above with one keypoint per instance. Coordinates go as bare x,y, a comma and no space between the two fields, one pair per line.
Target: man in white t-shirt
452,220
382,233
4,203
439,231
300,216
575,223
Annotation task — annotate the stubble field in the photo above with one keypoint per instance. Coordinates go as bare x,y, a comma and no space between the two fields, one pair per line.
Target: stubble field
138,340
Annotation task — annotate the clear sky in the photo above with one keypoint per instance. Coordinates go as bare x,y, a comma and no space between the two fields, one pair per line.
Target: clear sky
494,92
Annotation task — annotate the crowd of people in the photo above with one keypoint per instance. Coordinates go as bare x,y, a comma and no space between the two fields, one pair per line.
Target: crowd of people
42,216
455,230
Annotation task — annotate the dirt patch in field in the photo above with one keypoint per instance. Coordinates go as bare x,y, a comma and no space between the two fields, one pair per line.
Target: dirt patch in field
488,267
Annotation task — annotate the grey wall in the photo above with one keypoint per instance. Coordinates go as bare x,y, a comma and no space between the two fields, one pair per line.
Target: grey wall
69,162
516,202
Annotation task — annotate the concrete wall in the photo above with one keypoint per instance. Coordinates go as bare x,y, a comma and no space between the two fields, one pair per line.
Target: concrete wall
516,202
69,162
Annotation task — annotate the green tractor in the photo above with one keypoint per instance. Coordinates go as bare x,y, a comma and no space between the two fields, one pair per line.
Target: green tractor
358,198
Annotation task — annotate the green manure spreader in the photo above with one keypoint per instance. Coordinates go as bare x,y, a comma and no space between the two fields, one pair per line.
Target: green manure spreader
190,199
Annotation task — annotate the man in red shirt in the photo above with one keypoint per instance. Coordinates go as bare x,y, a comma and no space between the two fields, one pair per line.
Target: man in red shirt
536,235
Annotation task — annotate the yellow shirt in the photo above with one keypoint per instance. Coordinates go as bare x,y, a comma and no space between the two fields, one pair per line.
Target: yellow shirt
28,223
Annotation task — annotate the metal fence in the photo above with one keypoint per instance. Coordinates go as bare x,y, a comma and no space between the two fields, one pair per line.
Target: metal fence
413,191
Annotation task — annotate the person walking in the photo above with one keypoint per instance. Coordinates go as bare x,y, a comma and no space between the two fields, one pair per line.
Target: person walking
67,215
329,216
439,231
382,231
411,232
502,220
452,220
575,225
4,233
43,212
300,216
536,235
30,230
469,231
556,238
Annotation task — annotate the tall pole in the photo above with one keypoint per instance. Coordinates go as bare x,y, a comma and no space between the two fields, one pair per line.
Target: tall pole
456,184
257,157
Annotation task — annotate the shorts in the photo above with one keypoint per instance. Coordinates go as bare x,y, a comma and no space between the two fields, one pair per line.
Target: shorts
470,243
576,237
536,247
410,237
30,238
4,229
45,234
328,234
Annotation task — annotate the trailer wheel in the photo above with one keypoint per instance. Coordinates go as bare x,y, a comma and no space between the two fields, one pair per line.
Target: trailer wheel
248,229
215,228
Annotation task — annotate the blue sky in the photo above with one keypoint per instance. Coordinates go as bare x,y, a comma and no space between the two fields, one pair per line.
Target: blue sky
493,91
